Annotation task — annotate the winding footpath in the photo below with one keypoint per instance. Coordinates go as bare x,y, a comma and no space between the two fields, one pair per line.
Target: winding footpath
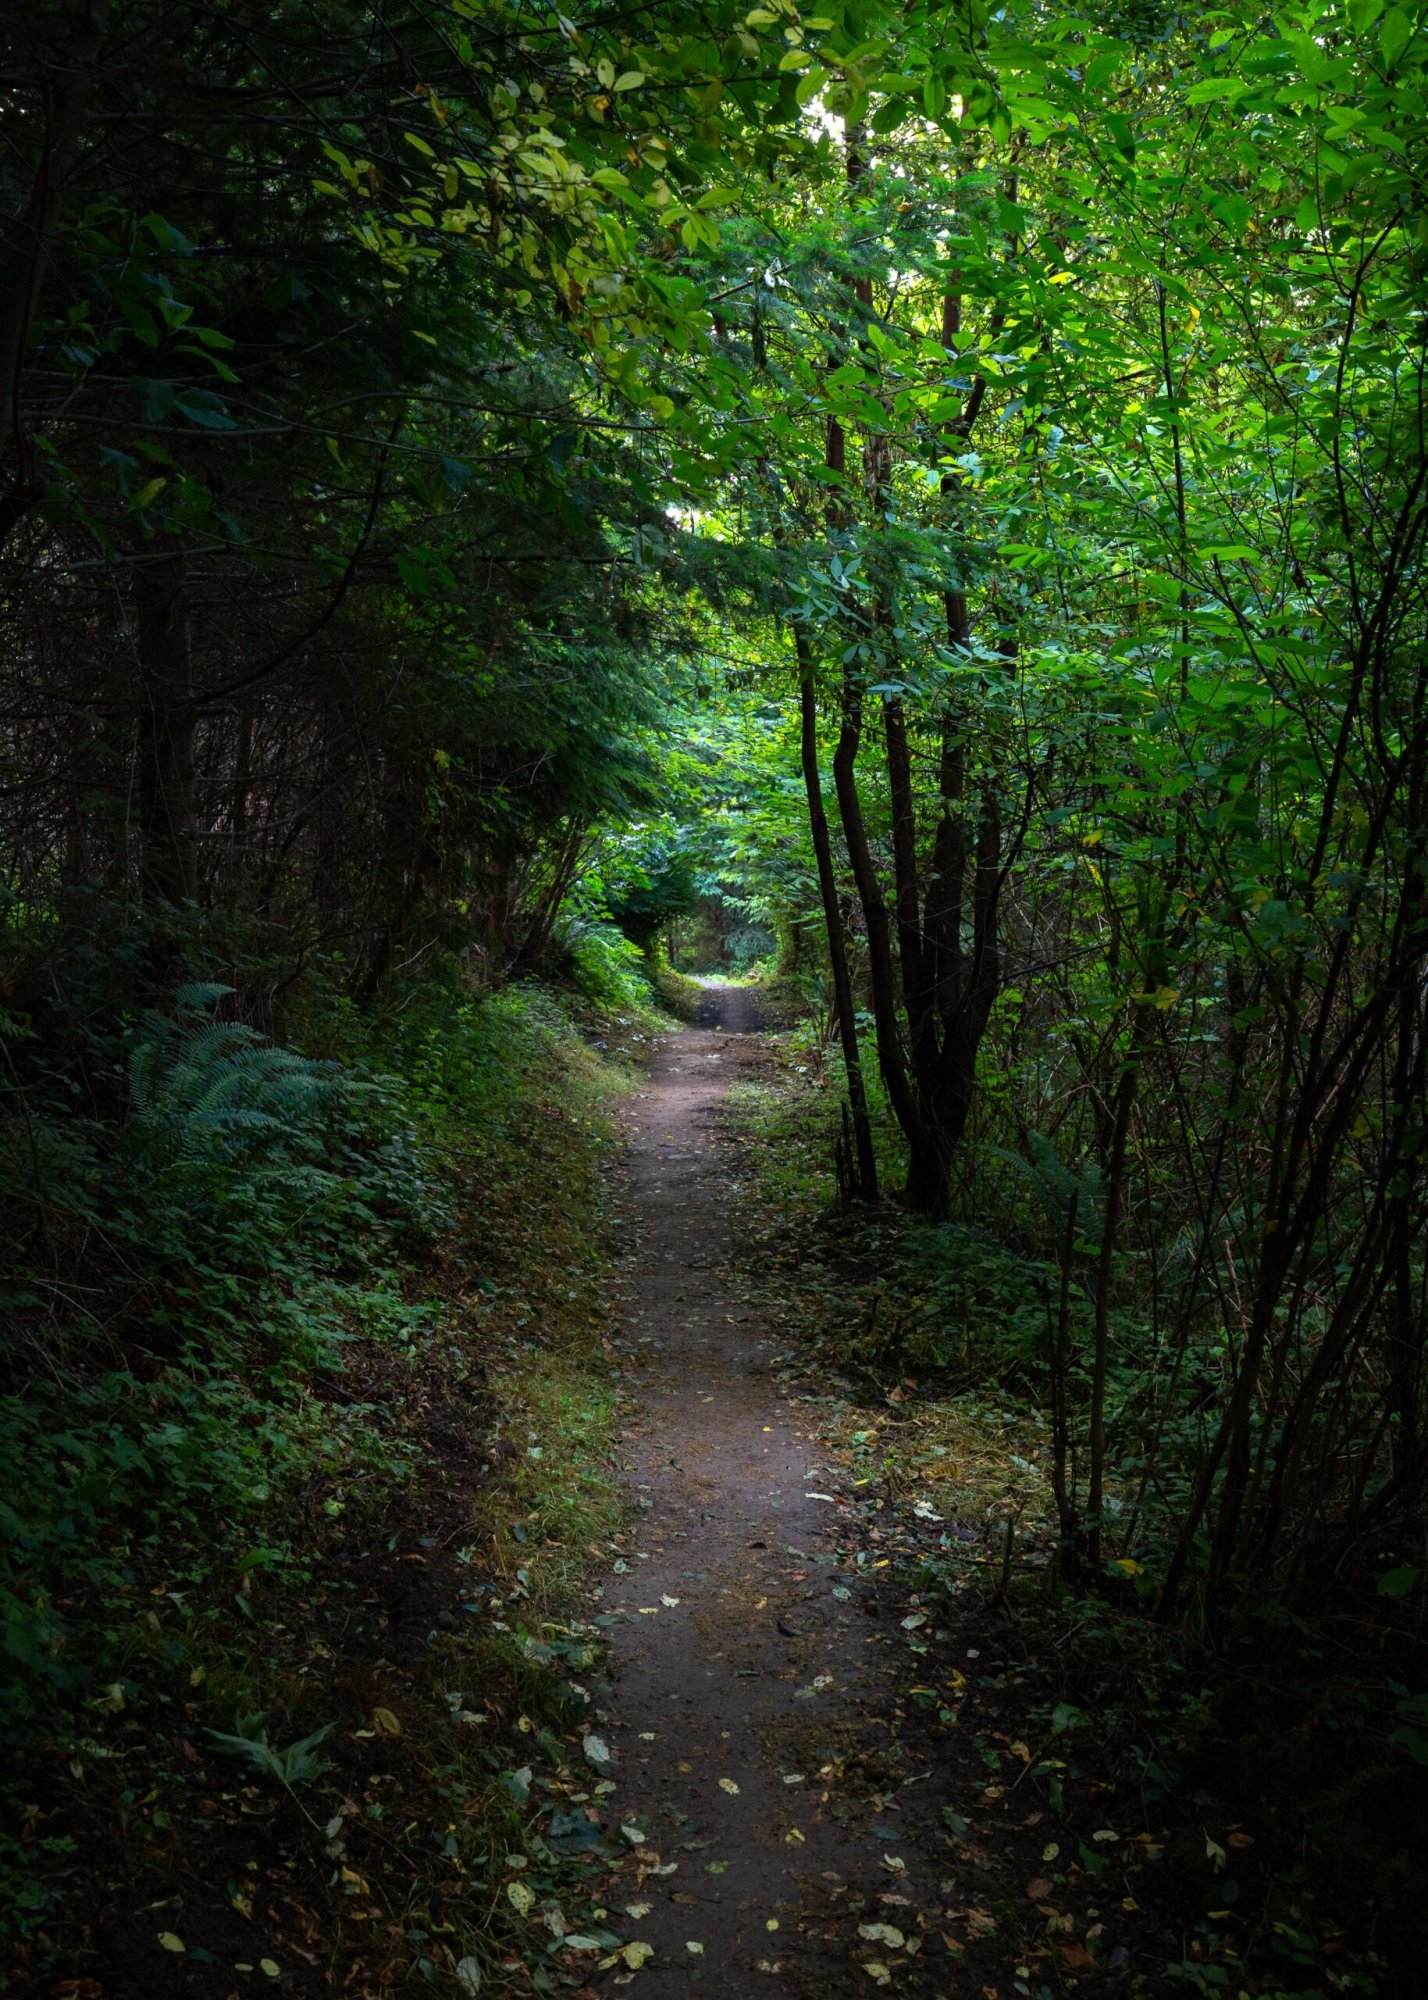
752,1712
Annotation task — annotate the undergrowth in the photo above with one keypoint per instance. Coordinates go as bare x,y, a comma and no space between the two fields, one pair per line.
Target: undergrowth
1243,1819
306,1435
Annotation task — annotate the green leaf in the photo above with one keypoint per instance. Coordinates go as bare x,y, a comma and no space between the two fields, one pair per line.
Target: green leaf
1363,14
809,85
204,408
1397,1582
1213,89
631,80
1395,34
1122,133
414,573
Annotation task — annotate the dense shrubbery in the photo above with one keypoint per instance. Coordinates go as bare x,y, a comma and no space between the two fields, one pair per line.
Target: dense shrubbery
205,1221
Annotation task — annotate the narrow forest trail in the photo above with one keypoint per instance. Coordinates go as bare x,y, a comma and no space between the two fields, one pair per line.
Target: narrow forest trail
753,1672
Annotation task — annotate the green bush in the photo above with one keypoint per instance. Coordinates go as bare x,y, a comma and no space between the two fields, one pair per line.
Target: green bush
189,1270
606,966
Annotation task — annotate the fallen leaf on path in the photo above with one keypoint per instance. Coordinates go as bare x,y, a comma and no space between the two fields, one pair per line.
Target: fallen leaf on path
728,1785
887,1934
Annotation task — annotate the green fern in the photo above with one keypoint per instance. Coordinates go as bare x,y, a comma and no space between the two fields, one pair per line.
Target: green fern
1063,1193
196,1087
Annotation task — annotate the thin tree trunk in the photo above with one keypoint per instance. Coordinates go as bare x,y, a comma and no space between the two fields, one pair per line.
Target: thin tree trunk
168,722
1100,1353
866,1161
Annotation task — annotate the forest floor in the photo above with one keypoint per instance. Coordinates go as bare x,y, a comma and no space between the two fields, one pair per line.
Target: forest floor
853,1734
790,1834
703,1651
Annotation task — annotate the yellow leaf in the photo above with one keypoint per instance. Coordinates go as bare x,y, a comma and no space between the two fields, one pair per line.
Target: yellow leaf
386,1722
637,1954
170,1942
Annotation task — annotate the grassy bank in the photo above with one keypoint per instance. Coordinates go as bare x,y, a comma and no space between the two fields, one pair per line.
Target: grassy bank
291,1686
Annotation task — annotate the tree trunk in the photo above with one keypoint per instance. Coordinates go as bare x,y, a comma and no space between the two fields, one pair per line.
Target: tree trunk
866,1177
168,722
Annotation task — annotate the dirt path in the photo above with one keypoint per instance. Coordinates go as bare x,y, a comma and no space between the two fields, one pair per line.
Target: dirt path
753,1713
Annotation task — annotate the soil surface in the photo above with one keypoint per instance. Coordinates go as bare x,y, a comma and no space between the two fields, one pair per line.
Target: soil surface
753,1714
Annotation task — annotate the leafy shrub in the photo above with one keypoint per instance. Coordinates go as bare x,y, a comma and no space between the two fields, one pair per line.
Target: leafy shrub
606,966
188,1270
972,1304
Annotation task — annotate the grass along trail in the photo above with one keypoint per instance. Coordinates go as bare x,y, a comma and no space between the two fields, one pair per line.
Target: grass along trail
786,1843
